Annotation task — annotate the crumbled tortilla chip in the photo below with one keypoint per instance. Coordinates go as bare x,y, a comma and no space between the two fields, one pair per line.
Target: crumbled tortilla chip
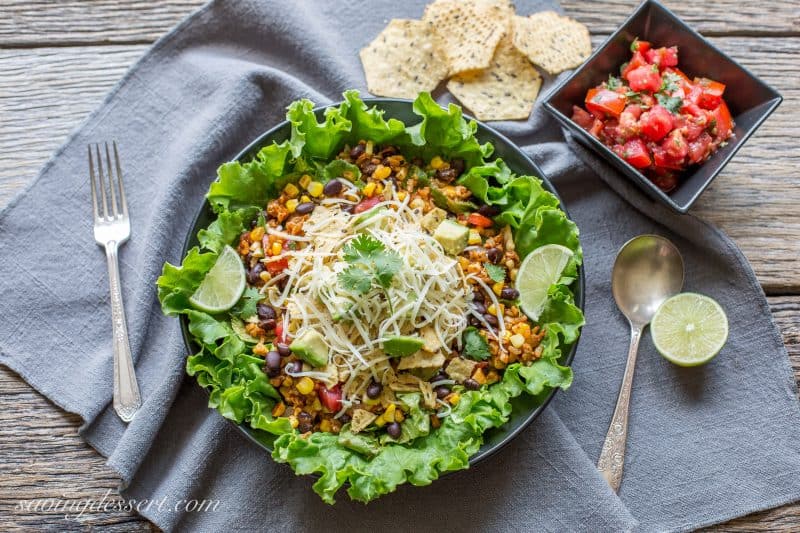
403,60
551,41
468,30
504,91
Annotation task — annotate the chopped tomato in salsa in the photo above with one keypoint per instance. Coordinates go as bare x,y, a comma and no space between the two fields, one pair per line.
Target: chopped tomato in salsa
655,117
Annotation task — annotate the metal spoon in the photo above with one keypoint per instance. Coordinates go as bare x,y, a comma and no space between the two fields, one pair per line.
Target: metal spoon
647,271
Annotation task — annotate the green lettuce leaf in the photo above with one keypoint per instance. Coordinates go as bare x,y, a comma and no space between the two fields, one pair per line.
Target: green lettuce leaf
226,228
177,284
251,184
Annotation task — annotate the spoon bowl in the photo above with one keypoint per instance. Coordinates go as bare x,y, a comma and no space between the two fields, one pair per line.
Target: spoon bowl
647,271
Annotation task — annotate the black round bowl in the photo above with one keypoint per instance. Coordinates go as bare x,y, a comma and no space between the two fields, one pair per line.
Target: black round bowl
525,407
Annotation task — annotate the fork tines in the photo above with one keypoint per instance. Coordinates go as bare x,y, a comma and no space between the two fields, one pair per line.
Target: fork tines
107,171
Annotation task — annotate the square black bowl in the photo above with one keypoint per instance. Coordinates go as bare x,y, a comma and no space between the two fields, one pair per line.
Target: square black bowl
750,100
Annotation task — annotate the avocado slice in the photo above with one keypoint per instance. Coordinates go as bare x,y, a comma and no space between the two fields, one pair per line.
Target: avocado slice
432,219
402,345
311,348
452,236
371,217
440,199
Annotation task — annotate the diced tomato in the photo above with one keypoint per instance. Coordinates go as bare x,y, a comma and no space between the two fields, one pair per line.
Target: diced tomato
331,398
656,123
635,153
581,117
693,128
280,336
636,61
724,122
476,219
597,127
666,180
711,93
663,160
645,78
640,46
276,267
603,102
663,57
366,204
699,148
675,146
629,122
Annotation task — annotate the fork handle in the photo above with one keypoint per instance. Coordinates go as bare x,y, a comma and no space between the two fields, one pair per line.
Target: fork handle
127,399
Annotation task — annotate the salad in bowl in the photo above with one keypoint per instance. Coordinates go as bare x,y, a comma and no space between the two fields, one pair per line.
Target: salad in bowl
373,296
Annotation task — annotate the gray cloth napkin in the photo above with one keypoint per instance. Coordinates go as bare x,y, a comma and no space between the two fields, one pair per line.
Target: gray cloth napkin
705,445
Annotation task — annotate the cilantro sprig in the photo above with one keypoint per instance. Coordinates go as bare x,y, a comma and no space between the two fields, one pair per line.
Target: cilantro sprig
371,264
671,103
496,273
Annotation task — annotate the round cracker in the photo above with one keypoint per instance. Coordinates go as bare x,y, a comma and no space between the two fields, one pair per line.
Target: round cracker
468,31
403,60
551,41
504,91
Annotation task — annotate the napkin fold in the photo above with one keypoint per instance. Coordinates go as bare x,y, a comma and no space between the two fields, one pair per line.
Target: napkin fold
704,445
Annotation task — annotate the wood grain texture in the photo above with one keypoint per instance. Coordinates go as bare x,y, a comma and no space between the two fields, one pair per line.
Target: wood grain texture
58,60
44,458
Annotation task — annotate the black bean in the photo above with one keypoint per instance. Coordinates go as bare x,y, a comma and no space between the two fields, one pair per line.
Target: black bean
283,349
368,169
265,311
294,367
273,361
374,390
268,324
509,293
305,208
473,321
479,307
389,150
490,319
394,430
446,174
494,255
440,375
488,210
458,165
477,296
345,418
254,273
302,416
471,384
332,188
442,392
357,150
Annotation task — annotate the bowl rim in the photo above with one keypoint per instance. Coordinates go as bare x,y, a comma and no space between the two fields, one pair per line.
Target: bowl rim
641,179
578,286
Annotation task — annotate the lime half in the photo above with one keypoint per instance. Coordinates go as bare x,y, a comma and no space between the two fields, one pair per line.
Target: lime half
223,285
689,329
541,269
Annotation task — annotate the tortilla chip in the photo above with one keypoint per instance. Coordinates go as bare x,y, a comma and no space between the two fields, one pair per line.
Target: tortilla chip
551,41
504,91
403,60
468,31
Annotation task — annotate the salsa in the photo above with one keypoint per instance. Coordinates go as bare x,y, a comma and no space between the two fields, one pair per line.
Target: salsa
655,117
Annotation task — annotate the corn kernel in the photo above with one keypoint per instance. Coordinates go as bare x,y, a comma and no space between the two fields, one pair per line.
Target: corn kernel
325,425
291,205
497,288
260,349
388,414
294,422
257,234
517,340
369,189
401,195
279,409
316,406
305,198
315,189
398,416
265,276
453,398
305,385
276,248
291,190
513,274
379,188
474,237
381,172
479,376
492,310
304,181
437,162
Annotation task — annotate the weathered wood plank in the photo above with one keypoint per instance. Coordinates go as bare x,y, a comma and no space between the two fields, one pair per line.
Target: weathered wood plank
74,22
46,92
43,457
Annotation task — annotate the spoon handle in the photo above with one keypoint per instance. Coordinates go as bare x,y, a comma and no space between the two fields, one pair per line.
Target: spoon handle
612,456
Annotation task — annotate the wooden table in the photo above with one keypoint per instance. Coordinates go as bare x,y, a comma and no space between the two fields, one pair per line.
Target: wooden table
58,59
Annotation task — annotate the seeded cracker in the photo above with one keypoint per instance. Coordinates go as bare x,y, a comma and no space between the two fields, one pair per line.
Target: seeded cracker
504,91
468,30
551,41
403,60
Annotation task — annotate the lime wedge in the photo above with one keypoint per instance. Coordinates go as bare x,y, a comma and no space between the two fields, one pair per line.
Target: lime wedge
689,329
541,269
223,285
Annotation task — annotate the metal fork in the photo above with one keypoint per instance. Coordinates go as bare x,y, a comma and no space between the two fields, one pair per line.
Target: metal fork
112,229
